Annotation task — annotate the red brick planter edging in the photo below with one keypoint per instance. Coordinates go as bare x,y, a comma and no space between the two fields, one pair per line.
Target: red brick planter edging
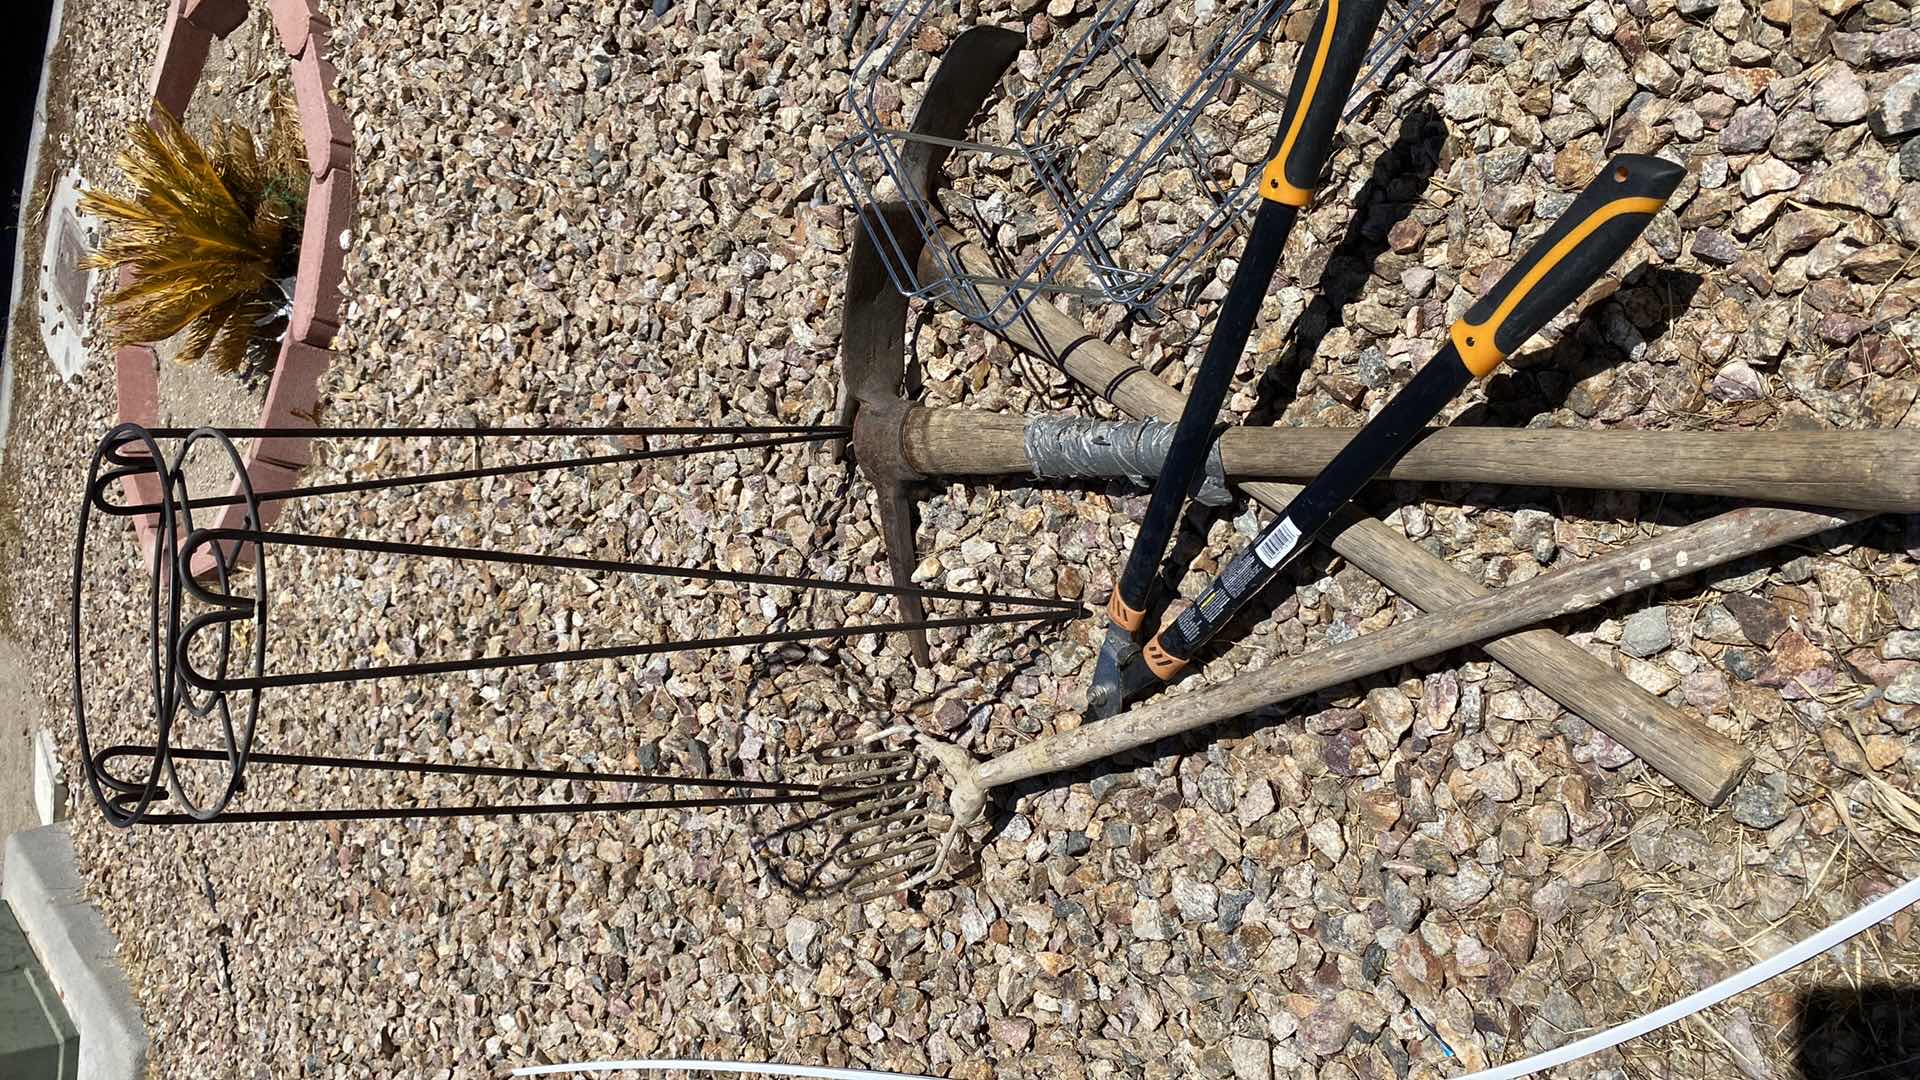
294,391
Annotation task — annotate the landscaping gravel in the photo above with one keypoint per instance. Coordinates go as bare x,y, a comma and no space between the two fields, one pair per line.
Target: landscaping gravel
572,211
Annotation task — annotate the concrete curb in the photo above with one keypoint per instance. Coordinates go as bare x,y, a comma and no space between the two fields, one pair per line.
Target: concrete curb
293,393
42,885
31,177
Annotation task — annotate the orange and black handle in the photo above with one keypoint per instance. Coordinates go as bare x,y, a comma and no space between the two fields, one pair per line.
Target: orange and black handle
1322,80
1588,238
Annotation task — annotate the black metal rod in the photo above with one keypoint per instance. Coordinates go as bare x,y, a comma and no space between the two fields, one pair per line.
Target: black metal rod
448,769
200,538
607,652
241,817
420,479
829,430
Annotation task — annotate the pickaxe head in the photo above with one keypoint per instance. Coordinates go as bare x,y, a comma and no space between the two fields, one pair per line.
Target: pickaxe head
873,347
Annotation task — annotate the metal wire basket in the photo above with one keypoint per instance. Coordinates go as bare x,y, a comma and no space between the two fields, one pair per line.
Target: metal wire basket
1107,166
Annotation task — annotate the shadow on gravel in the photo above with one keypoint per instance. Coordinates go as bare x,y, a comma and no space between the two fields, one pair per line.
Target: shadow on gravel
1868,1033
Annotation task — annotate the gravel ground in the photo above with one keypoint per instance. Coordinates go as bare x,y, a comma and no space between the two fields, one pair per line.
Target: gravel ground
572,212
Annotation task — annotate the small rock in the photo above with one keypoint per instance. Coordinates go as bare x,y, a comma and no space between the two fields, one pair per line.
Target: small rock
1515,936
1646,632
1653,678
1901,645
1197,900
1233,909
1561,1019
1748,130
1013,1032
1404,905
1465,101
1878,263
1754,216
1252,1058
1551,901
1462,889
1256,804
1840,98
800,934
1327,839
1576,163
1737,382
1807,32
1406,235
1149,922
1744,664
1325,1030
1654,73
1757,805
1714,246
1392,709
1764,177
1604,93
1905,688
1899,108
1530,528
1799,137
1896,46
1019,829
1844,751
1760,621
1852,49
1853,183
1910,159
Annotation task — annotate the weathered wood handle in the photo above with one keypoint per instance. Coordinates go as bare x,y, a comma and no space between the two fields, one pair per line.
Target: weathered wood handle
1580,587
1679,746
1855,470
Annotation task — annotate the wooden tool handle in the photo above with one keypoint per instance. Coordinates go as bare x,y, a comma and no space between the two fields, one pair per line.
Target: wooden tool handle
1680,746
1856,470
1673,554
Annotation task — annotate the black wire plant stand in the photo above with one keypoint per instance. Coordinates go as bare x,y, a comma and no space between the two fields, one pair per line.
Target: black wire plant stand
208,636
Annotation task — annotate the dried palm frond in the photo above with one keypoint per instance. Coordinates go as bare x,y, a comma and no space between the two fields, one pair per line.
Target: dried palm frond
285,152
205,232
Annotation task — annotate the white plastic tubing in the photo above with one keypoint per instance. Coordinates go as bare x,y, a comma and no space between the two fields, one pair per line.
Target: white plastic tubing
1878,911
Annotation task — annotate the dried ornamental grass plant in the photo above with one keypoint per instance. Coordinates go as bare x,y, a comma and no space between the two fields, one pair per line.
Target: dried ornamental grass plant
213,237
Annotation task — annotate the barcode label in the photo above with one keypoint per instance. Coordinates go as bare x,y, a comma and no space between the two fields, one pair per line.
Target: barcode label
1278,541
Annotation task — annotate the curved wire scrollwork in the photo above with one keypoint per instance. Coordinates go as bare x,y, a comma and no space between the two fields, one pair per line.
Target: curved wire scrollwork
133,452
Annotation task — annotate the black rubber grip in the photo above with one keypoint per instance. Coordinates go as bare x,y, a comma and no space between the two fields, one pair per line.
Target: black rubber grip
1322,81
1603,221
1193,436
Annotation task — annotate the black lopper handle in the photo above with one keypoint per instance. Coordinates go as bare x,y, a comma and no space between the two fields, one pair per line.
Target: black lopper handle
1600,225
1322,81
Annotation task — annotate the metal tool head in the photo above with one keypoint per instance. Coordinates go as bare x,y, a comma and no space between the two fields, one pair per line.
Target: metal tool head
880,834
883,832
873,345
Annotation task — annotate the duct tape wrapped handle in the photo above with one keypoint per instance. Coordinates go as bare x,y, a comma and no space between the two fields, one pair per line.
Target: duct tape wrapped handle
1073,447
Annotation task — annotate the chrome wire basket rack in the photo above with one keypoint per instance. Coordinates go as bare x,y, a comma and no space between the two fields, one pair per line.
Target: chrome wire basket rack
1107,166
